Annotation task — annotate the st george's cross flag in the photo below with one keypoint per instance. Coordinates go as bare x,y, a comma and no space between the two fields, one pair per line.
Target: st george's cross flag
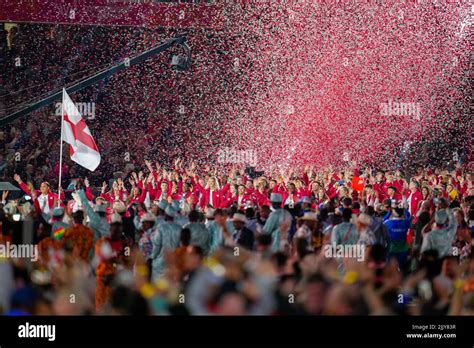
83,148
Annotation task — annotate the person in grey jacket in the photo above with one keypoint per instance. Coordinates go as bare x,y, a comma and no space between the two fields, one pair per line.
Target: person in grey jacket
442,235
200,235
165,238
97,219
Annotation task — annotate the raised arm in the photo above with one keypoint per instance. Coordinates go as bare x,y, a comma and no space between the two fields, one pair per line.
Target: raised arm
23,186
142,196
225,189
198,186
89,195
149,166
305,177
93,216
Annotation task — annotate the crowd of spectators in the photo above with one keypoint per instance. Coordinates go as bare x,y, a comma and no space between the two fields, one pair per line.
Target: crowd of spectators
181,234
129,107
190,239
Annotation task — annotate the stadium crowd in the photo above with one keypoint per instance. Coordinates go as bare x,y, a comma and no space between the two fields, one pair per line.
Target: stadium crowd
189,238
36,59
192,239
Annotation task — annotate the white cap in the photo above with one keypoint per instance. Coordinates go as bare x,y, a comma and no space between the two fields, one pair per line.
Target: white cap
239,217
115,219
309,216
119,207
147,217
210,213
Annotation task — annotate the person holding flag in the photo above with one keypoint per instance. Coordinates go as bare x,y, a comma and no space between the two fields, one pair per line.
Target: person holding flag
83,150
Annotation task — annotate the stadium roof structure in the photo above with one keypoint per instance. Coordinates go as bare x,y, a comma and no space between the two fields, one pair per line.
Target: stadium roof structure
118,66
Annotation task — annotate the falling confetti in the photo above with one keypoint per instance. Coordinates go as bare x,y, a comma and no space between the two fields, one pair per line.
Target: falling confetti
321,82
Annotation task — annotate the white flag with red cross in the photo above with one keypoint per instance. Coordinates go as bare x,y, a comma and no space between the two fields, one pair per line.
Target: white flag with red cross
83,148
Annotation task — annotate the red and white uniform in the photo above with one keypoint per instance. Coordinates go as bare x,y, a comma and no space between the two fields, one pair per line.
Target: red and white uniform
290,198
243,199
112,196
45,202
209,197
261,198
413,199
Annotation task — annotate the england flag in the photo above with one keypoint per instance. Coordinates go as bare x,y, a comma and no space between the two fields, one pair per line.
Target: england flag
75,132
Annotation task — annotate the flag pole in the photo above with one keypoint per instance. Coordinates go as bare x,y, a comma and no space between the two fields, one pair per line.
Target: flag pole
61,149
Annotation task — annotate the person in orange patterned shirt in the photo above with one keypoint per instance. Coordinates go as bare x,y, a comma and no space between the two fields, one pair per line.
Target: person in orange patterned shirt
78,238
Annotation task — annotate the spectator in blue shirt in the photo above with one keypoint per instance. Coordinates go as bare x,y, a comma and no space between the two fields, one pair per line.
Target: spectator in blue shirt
398,221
